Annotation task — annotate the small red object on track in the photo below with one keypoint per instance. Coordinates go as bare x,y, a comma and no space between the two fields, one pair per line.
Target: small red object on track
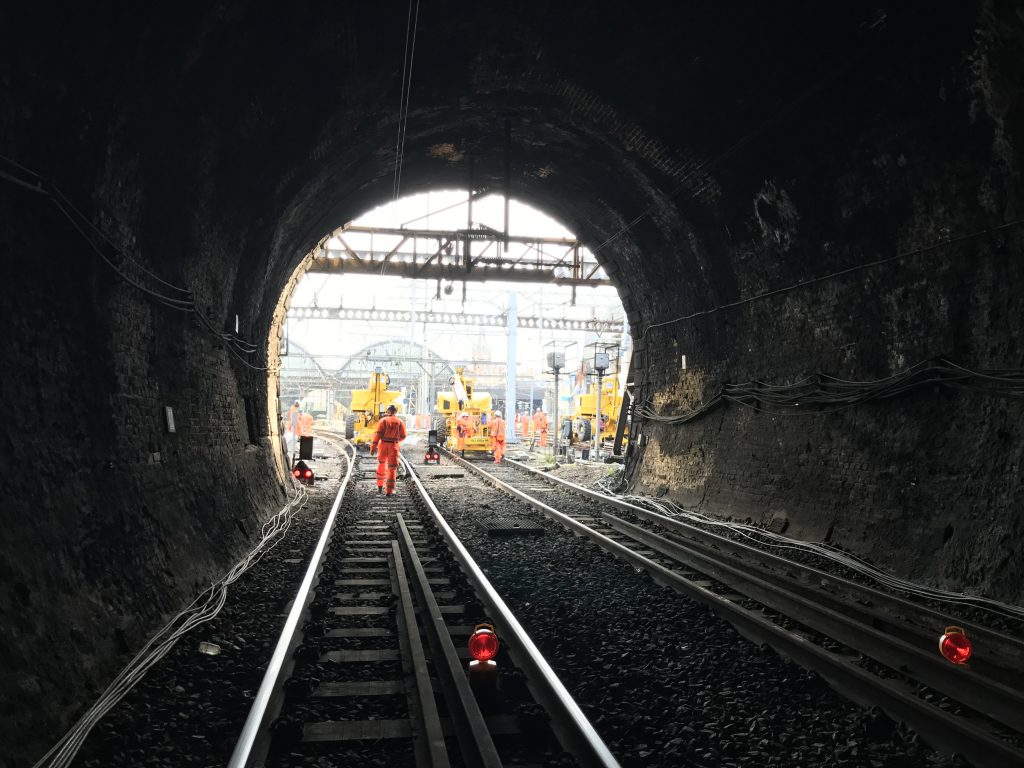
955,645
483,643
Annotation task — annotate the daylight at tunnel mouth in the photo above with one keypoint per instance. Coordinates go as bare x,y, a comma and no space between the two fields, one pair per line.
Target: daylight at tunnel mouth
512,384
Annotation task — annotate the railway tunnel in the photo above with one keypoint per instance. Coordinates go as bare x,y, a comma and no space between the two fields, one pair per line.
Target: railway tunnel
780,195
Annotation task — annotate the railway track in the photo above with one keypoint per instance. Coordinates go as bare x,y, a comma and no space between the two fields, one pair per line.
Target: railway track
371,663
877,648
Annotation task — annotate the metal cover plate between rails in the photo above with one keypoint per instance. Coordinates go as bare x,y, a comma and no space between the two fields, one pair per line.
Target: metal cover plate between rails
511,526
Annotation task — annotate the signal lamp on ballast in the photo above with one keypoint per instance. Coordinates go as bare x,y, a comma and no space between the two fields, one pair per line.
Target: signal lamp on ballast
483,670
955,646
483,643
303,473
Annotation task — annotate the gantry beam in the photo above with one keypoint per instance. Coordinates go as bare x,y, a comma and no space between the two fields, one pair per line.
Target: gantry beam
453,318
474,255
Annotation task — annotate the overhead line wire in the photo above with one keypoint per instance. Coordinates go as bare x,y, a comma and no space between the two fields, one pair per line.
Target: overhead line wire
401,103
404,122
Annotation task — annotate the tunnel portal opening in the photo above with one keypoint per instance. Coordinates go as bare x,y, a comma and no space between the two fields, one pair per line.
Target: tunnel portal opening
441,281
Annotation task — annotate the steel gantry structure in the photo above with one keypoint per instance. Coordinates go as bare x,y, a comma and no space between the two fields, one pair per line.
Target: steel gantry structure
591,325
473,254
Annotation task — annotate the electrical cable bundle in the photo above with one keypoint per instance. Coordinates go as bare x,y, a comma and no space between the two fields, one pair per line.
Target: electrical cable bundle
764,538
821,393
203,609
128,269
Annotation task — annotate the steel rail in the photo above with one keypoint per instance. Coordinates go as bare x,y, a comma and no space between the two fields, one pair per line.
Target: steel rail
989,697
254,742
936,725
1000,648
575,731
433,735
470,727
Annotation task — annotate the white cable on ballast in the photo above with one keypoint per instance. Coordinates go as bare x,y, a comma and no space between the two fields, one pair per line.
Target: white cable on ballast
202,609
762,537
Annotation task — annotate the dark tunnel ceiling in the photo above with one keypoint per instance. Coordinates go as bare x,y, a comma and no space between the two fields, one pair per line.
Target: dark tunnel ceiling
285,145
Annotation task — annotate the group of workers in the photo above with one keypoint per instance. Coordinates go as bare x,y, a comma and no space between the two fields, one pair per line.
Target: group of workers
391,432
464,429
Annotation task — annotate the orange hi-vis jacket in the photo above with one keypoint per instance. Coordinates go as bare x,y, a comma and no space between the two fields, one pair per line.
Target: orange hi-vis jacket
390,431
305,425
497,429
540,421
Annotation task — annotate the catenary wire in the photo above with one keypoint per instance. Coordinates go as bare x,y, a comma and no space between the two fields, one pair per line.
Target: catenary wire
404,121
401,103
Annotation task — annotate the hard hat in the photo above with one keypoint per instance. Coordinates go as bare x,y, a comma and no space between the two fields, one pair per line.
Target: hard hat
392,409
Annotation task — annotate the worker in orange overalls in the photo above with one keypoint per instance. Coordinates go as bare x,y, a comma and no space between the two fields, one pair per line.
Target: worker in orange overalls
540,427
390,432
305,424
291,425
497,431
463,429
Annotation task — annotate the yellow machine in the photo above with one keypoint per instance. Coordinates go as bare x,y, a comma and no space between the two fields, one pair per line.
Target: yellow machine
584,416
452,404
368,405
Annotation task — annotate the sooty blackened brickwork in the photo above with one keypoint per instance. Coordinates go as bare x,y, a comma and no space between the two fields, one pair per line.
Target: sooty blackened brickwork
913,151
745,150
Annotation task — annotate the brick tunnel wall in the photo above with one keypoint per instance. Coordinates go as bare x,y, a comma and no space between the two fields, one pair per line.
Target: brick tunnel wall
219,168
928,484
110,523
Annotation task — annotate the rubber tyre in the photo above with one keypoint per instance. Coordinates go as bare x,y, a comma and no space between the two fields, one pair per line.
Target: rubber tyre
567,429
440,425
350,426
583,430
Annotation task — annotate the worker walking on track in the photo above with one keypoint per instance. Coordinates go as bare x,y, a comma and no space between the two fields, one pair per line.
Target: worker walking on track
305,426
464,429
390,432
497,432
540,427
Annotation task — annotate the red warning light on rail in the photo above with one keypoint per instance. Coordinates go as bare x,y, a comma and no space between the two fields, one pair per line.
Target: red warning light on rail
483,643
308,473
297,472
955,645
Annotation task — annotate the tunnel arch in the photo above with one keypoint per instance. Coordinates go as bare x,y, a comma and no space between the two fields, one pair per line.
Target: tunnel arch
766,147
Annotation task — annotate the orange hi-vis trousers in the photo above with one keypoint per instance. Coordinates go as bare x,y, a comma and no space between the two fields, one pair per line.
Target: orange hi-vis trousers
498,446
387,466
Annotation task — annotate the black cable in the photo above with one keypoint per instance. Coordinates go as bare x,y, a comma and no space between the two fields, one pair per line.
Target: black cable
832,275
80,223
821,394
